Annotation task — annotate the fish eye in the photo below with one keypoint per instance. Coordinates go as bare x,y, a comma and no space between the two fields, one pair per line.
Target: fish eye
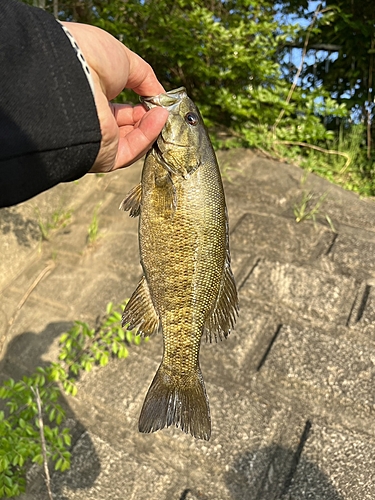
191,118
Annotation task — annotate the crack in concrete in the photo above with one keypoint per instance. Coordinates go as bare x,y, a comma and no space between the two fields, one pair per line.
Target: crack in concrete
265,355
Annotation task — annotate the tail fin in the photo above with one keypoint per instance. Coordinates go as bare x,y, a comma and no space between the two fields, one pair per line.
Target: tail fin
181,401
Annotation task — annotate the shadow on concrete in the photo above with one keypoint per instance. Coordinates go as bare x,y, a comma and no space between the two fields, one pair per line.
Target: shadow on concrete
271,473
193,494
25,229
23,355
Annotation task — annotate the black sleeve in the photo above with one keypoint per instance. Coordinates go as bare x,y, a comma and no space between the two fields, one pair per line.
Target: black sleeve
49,128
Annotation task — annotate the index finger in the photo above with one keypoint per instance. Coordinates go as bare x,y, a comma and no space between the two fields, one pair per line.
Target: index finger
134,144
142,78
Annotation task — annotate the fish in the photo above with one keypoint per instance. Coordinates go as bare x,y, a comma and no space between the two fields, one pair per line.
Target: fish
187,289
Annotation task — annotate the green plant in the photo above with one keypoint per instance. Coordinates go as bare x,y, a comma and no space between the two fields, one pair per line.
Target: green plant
358,175
342,160
58,220
82,347
93,230
20,443
308,208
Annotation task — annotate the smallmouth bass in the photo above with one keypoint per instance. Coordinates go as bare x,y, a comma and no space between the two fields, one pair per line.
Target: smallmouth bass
188,288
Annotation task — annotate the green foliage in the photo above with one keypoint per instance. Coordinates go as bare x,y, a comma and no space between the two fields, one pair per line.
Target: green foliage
20,442
59,219
231,58
342,160
226,54
219,51
93,229
359,175
82,348
352,27
346,31
307,208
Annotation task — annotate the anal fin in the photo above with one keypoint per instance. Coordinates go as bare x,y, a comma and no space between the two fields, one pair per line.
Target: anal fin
140,311
132,201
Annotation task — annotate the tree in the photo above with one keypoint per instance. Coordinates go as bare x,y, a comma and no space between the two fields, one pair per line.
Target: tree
230,55
347,29
226,53
222,52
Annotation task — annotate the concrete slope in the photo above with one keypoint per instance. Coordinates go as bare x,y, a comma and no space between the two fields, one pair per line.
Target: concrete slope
292,390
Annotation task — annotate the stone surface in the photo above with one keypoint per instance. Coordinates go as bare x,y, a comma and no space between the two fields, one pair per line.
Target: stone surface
308,293
281,238
327,450
291,390
324,363
355,256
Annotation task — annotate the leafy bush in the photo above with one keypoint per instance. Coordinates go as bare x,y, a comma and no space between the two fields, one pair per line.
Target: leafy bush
231,57
82,348
20,442
226,54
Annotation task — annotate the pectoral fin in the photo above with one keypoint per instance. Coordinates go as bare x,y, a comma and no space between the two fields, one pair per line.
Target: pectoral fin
140,311
225,311
168,193
132,201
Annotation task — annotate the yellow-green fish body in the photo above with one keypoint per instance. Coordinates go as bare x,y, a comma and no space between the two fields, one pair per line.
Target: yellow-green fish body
188,287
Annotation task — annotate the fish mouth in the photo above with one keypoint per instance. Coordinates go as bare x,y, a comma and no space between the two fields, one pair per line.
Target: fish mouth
171,101
166,100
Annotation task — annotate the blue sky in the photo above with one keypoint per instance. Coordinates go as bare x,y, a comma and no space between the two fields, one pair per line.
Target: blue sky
295,55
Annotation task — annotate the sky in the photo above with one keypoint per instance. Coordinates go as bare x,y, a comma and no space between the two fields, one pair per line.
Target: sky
295,55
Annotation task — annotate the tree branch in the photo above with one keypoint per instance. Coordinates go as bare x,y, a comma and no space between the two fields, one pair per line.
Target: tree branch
329,47
304,51
322,150
43,441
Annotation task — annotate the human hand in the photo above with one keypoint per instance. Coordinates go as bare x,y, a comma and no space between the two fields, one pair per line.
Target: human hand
127,131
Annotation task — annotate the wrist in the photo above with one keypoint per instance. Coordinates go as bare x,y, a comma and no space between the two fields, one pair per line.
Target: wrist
79,54
104,55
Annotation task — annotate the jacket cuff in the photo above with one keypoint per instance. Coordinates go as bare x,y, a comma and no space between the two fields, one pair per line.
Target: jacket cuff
47,109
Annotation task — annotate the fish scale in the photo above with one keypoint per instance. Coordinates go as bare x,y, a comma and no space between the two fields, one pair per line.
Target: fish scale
188,287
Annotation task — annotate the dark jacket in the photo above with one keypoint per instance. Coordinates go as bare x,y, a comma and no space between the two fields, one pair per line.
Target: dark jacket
49,129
